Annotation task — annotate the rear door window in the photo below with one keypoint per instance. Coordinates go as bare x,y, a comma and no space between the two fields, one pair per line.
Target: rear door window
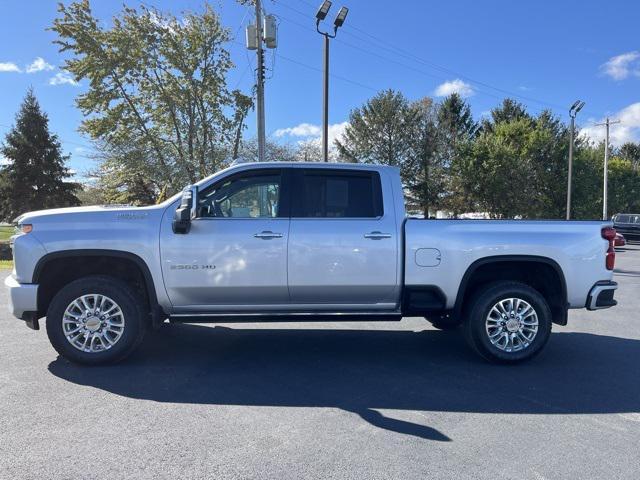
333,193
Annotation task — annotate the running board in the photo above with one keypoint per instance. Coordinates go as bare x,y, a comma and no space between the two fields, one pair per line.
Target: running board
252,317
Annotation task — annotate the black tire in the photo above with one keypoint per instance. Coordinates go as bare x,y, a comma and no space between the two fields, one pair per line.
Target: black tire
133,308
443,322
481,304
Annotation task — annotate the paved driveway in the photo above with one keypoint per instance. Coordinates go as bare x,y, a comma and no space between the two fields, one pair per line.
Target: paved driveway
356,401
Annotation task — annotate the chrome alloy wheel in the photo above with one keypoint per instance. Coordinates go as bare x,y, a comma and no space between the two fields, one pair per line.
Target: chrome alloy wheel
512,324
93,323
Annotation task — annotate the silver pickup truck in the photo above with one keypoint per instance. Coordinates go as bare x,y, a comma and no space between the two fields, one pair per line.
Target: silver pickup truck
300,241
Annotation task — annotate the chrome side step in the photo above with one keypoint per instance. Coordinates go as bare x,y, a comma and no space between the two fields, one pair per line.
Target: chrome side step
253,317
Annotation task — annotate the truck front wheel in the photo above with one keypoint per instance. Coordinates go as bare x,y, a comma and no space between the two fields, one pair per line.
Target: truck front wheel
508,322
96,320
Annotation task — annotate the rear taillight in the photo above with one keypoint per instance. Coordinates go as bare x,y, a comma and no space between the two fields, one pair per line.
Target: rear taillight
609,234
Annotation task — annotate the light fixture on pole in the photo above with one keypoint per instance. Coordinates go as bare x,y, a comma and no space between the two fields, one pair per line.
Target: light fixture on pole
321,14
573,111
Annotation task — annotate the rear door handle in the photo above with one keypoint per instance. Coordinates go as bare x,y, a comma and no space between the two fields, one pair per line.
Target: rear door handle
377,235
267,234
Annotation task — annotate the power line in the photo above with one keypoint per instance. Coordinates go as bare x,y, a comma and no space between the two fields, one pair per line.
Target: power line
311,67
408,55
409,67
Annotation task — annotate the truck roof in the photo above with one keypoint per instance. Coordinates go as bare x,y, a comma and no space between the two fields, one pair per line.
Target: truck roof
363,166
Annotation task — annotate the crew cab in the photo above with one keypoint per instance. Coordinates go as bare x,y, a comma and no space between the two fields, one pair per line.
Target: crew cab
300,241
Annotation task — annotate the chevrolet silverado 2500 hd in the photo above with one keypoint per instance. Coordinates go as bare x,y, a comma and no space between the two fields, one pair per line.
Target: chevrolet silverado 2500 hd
273,241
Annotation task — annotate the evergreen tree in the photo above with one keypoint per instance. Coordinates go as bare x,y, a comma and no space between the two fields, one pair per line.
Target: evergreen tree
456,131
34,177
380,131
424,175
509,111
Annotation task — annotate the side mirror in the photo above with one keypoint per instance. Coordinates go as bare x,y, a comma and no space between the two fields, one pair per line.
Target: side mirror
186,211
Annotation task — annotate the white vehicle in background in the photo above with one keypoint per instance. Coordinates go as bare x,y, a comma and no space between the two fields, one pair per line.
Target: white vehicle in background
300,241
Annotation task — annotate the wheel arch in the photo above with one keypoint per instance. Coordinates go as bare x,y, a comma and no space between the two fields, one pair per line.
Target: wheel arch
491,268
54,261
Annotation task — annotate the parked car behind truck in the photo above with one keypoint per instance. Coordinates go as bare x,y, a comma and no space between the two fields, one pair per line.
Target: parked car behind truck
627,224
300,241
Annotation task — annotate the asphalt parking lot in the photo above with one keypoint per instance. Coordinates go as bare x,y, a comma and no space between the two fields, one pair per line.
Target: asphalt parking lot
347,401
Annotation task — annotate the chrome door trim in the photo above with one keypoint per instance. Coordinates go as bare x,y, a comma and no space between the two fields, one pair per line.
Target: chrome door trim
377,235
267,234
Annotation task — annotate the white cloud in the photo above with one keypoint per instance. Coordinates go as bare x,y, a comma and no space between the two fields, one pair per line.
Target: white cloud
39,65
621,66
628,130
454,86
308,132
9,67
4,161
301,130
62,78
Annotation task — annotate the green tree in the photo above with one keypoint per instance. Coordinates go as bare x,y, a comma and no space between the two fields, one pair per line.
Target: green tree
508,111
494,171
631,151
517,167
456,130
586,197
624,187
424,172
380,131
156,86
547,152
35,176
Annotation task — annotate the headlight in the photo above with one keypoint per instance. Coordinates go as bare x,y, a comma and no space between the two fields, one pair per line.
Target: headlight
25,227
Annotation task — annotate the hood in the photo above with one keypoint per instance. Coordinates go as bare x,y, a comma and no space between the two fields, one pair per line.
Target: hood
70,213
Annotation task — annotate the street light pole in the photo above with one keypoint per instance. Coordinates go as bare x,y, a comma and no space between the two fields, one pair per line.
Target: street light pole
321,14
606,172
325,102
573,111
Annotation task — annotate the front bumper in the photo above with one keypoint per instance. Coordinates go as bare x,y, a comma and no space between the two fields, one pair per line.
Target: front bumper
601,295
23,300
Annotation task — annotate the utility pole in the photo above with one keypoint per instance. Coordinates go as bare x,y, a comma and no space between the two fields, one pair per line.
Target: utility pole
321,14
607,123
573,111
260,84
264,30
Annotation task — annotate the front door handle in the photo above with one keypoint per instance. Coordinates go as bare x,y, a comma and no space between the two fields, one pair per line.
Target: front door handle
267,234
377,235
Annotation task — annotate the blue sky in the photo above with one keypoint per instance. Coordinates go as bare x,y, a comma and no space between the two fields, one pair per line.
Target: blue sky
544,53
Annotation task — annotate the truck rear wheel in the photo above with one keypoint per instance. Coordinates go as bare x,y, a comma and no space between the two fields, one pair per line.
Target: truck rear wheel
96,320
508,322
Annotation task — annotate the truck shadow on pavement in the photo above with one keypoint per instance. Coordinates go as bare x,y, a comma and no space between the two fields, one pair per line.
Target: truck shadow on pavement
363,371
